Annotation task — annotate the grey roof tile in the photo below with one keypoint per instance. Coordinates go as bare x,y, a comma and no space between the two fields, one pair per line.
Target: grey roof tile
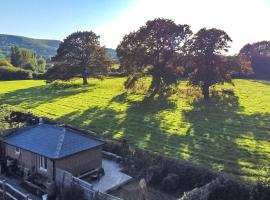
52,141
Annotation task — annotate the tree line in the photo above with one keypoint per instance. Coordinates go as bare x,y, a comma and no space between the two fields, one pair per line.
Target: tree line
22,64
27,59
162,49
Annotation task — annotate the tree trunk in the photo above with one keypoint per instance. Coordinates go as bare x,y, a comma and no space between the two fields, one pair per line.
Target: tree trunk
85,81
155,85
205,91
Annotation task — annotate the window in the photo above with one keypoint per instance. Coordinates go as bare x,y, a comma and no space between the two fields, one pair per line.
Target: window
17,150
42,163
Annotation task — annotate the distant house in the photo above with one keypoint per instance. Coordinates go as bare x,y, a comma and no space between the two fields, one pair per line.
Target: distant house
43,148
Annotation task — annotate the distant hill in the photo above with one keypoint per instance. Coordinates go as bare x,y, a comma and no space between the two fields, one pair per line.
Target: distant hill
42,47
46,48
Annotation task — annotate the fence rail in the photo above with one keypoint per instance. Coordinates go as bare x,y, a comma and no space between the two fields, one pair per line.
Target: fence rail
66,179
10,192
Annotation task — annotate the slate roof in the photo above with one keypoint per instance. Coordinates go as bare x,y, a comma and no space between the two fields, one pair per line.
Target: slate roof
52,141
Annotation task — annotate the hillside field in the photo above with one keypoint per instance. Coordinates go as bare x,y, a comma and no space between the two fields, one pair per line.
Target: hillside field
230,133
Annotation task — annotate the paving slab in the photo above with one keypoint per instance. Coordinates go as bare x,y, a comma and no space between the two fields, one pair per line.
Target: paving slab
113,177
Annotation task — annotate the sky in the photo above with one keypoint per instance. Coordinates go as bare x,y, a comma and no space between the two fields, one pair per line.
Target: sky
246,21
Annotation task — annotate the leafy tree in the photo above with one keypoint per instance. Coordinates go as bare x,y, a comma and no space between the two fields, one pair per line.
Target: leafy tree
28,59
155,49
207,64
23,58
259,54
15,57
80,54
41,64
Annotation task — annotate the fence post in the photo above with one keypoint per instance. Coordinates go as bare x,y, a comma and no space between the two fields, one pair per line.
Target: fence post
4,189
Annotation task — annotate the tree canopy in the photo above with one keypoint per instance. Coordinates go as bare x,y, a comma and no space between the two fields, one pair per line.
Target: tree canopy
207,63
26,59
155,49
259,54
79,55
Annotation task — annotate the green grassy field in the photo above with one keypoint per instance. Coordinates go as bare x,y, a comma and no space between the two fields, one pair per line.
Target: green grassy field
230,133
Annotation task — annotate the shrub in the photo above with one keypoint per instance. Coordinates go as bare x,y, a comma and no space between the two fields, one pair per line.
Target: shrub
222,188
155,167
5,63
64,84
14,73
38,76
170,183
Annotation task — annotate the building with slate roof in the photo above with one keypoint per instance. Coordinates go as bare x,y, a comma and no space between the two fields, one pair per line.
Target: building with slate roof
44,148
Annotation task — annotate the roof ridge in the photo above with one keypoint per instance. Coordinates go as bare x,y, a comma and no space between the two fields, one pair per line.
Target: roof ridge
60,143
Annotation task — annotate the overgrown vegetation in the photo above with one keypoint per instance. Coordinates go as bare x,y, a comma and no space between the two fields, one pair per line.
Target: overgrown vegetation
8,72
229,133
6,121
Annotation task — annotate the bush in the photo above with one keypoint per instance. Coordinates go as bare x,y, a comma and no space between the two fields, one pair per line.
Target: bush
64,84
155,167
170,183
38,76
5,63
222,188
14,73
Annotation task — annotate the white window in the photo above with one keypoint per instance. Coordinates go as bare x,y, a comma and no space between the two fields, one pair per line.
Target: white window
42,161
17,150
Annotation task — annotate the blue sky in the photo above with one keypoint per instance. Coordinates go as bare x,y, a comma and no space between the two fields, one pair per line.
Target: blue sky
246,21
55,19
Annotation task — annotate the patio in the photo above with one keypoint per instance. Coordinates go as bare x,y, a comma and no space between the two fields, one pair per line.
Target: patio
113,178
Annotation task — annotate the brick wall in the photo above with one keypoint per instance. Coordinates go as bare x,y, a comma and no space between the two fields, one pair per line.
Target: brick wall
81,162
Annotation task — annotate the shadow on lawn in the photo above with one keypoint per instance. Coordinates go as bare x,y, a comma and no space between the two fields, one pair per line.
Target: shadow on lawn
216,129
138,122
35,96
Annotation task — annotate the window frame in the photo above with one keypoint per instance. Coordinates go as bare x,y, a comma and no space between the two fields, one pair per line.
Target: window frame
17,151
43,163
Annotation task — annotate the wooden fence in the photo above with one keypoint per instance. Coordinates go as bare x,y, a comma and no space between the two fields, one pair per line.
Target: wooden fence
9,192
66,180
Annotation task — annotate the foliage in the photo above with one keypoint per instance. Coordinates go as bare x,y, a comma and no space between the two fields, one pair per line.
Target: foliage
64,85
80,55
27,60
222,188
207,64
230,133
5,63
14,73
259,54
155,49
5,121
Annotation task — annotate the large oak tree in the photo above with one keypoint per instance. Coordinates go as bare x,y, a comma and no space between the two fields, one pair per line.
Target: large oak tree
207,63
79,55
155,49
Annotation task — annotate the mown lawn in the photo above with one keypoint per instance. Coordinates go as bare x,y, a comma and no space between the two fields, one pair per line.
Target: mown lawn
230,133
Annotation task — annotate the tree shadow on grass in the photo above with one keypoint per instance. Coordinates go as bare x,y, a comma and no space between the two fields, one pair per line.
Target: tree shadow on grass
222,137
138,123
219,136
35,96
